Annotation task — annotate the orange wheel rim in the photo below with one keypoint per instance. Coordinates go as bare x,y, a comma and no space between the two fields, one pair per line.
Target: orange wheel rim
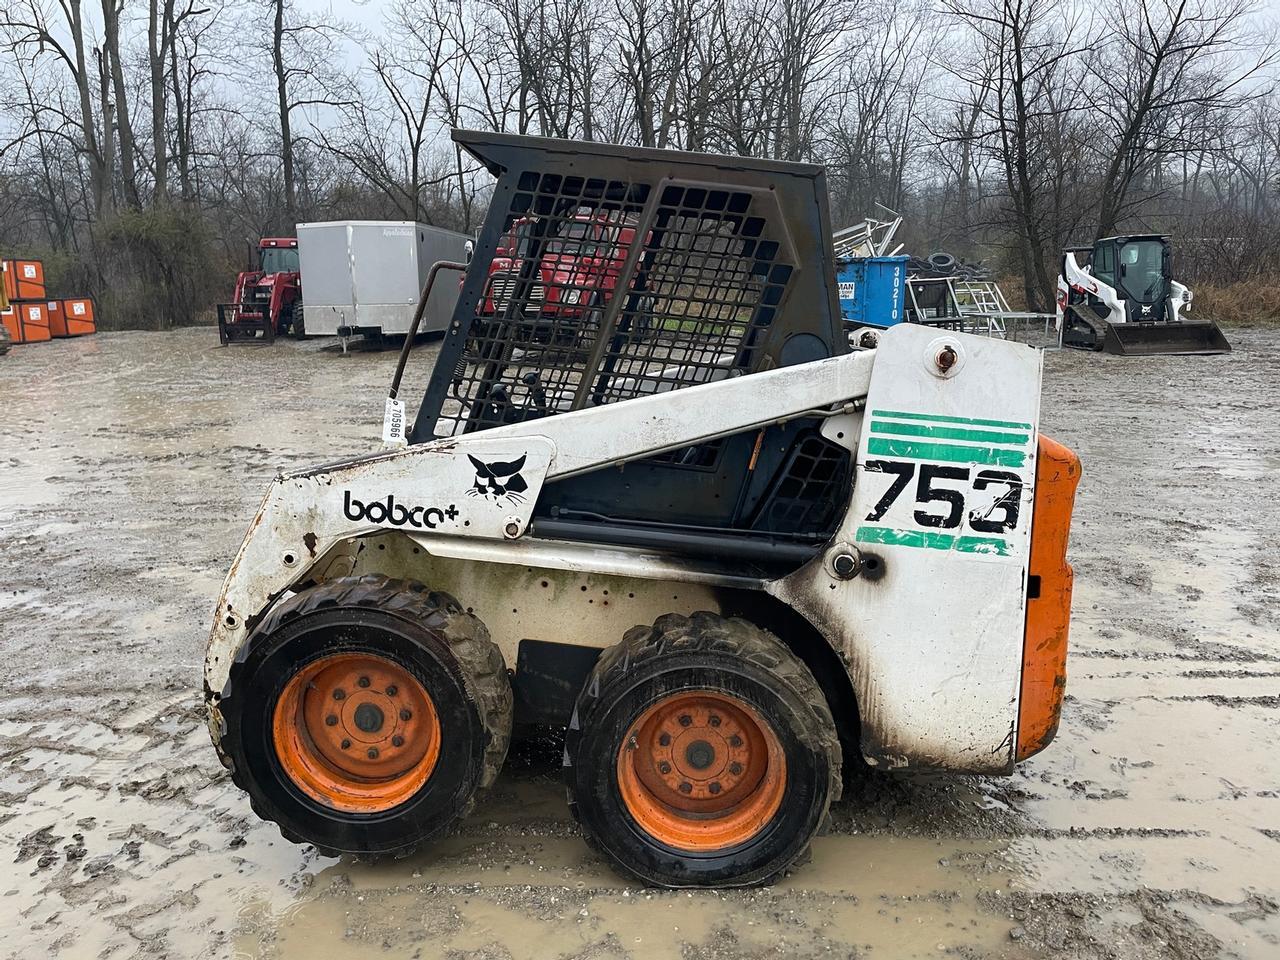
701,771
356,732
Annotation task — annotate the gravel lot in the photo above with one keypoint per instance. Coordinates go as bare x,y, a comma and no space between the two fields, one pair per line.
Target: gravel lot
131,463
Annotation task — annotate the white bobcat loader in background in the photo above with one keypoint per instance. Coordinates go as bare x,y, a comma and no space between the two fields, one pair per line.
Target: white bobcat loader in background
1123,300
729,556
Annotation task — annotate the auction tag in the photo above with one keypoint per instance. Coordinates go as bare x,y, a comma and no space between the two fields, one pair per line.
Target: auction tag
393,432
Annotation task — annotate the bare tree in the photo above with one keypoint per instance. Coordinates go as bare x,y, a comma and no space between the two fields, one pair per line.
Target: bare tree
29,36
1167,66
1024,50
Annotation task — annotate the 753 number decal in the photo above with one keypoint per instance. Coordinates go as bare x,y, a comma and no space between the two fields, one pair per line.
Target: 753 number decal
945,507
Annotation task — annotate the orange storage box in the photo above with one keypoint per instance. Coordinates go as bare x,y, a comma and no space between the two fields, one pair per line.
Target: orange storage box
77,317
57,325
34,320
23,279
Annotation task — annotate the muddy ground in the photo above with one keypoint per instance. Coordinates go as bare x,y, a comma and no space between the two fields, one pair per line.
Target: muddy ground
131,463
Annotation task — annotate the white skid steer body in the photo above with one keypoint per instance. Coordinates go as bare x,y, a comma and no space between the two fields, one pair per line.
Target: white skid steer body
943,429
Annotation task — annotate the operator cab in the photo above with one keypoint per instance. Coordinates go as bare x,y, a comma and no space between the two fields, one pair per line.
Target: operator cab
278,255
1138,268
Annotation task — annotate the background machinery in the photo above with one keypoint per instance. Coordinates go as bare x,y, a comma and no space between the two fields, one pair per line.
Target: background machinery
267,301
1123,300
733,558
363,277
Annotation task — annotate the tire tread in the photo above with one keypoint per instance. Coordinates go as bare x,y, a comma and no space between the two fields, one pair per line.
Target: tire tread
478,658
729,637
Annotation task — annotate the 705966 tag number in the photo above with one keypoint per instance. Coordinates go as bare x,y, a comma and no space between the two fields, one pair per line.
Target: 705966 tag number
1001,517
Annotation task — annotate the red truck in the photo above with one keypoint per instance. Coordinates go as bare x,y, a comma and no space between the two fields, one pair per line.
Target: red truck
268,300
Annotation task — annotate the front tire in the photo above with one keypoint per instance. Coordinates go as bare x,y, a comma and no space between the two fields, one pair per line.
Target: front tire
365,714
701,753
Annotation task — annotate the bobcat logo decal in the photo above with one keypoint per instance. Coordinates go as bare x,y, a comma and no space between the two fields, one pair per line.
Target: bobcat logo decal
498,481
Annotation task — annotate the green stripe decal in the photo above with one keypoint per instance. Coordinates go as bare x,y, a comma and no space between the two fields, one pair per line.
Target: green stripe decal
933,540
938,418
945,452
946,433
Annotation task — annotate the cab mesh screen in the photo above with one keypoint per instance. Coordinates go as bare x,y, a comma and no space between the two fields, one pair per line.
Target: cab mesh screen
603,290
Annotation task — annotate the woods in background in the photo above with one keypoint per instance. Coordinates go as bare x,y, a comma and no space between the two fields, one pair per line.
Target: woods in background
143,142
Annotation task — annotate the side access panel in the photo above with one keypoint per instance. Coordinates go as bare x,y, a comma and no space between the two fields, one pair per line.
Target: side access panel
932,628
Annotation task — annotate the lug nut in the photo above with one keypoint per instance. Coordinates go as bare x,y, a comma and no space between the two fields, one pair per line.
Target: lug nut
331,720
715,787
346,744
664,767
373,753
339,694
664,740
685,720
686,787
397,741
363,681
714,720
735,741
735,768
392,690
406,715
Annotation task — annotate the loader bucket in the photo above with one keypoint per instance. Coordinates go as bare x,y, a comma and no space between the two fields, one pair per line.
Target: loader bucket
1156,339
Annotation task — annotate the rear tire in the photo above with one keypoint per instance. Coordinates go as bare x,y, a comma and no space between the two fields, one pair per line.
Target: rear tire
701,753
364,714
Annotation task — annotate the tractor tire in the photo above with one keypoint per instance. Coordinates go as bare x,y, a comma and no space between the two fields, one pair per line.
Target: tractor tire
297,321
701,753
363,715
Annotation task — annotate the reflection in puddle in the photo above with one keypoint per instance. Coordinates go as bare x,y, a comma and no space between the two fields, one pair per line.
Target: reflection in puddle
529,887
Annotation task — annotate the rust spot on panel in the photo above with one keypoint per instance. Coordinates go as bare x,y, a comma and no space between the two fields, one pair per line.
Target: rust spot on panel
309,539
1044,656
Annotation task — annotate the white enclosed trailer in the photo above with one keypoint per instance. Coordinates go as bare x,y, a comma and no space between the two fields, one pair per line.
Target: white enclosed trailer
365,276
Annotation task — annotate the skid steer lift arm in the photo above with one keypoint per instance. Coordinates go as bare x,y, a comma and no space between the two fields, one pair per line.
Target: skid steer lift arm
425,488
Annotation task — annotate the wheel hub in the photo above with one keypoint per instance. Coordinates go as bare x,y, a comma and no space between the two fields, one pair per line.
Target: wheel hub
368,718
700,770
356,732
700,754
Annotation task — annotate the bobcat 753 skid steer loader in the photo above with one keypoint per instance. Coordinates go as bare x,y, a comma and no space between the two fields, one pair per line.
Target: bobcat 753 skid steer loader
726,553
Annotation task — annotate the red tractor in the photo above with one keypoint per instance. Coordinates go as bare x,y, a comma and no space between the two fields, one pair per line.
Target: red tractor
567,267
268,300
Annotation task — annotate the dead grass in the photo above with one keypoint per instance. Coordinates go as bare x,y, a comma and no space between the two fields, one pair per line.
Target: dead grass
1249,303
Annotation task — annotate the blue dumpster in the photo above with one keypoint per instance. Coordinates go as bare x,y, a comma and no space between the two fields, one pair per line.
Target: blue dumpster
873,290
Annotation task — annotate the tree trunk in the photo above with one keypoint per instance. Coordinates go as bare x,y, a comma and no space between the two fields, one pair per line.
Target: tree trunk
108,127
159,25
128,150
282,95
99,173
